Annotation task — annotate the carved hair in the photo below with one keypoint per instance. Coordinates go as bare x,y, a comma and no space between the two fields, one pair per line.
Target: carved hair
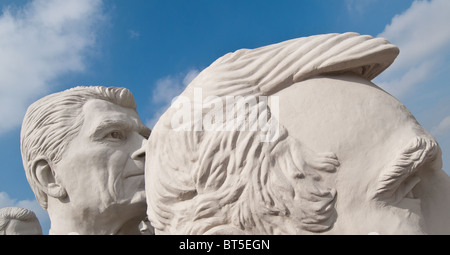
53,121
232,179
197,181
15,213
268,69
413,157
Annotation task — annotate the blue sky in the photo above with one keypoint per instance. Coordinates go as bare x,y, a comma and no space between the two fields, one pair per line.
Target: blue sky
155,48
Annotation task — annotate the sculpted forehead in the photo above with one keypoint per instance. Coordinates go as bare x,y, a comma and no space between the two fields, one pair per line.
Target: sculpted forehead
350,116
330,111
97,112
97,108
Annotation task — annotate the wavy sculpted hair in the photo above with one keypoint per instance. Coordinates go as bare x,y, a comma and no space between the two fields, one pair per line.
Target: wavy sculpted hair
15,213
232,179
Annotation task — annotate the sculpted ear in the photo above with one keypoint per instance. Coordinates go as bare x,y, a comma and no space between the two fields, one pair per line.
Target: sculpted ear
44,177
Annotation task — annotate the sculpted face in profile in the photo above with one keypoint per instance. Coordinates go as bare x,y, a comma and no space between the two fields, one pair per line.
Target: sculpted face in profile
81,149
390,180
19,221
339,155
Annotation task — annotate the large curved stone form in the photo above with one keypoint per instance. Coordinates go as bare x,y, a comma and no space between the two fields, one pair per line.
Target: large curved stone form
214,181
265,70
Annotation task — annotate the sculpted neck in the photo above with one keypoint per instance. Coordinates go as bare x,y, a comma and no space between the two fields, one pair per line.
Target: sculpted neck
68,220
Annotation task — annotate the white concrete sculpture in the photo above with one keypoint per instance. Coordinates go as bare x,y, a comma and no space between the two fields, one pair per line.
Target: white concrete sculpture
146,227
19,221
293,138
81,150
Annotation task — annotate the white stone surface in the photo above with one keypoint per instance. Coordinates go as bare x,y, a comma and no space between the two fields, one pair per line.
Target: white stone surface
390,179
338,155
19,221
291,138
83,159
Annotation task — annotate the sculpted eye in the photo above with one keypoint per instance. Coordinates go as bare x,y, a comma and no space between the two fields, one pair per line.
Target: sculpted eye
115,136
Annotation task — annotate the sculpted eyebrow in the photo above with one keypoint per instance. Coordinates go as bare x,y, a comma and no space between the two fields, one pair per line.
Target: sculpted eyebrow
108,125
417,153
119,124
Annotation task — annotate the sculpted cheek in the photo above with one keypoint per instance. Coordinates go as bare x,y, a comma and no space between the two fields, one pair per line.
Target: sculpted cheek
115,168
91,169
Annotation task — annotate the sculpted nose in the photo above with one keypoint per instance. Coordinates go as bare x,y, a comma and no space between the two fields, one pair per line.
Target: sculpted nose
139,154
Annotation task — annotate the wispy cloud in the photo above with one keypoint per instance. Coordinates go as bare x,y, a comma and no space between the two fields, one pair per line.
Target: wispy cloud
39,42
401,83
166,89
442,128
133,34
33,205
358,6
422,34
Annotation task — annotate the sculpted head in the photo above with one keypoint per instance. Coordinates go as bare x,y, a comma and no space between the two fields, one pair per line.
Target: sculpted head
19,221
384,173
82,158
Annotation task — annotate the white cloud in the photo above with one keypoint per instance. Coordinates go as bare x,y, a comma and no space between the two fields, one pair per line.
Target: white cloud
133,34
422,35
358,6
401,84
166,89
442,128
38,43
33,205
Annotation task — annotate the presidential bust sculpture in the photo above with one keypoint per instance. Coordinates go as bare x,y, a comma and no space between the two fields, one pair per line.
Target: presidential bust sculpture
294,138
19,221
81,150
290,138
